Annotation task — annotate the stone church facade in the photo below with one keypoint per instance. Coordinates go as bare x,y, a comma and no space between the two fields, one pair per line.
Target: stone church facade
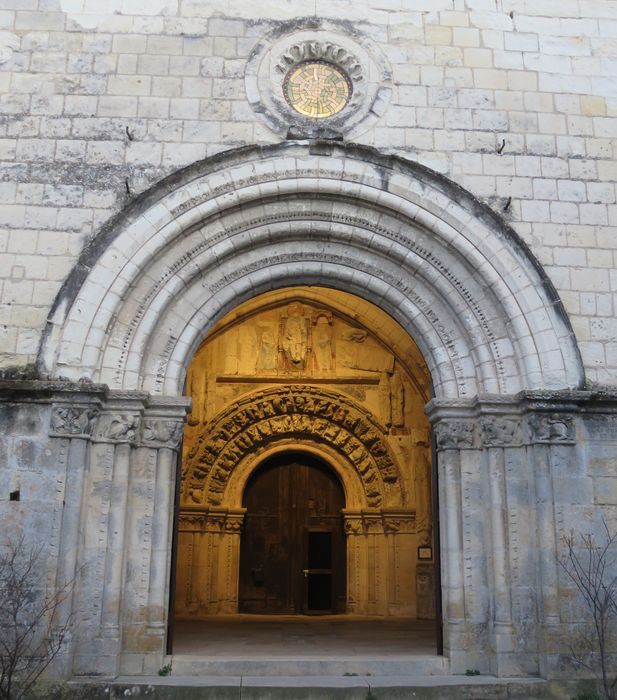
375,239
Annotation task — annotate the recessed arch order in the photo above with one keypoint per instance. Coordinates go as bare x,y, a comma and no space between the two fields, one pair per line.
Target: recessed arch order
466,288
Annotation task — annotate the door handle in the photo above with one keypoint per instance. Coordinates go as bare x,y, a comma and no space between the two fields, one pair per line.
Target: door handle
305,572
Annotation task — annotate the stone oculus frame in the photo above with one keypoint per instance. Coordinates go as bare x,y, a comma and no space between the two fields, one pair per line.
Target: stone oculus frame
509,411
358,59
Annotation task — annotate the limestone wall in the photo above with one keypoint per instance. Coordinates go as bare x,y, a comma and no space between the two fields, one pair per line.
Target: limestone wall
514,99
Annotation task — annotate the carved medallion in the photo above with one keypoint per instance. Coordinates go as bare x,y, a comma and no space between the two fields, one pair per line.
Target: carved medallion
317,89
319,79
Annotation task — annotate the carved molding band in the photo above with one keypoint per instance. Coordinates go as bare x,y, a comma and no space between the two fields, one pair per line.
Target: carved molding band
294,412
380,522
500,431
219,522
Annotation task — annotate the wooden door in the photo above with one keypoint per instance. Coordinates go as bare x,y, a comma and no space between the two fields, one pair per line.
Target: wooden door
292,551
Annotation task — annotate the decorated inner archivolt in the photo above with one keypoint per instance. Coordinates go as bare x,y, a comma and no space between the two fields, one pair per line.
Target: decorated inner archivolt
289,412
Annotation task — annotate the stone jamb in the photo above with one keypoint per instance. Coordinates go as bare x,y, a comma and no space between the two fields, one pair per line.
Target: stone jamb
481,443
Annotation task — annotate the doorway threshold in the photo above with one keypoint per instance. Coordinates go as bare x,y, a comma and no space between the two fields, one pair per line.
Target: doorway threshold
298,645
318,666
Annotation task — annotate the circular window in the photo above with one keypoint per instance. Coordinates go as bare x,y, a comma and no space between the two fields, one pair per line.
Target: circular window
317,89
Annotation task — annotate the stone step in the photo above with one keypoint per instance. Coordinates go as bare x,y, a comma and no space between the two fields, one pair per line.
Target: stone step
323,688
333,666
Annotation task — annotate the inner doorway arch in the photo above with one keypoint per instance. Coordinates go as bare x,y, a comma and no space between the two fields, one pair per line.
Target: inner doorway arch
321,373
292,549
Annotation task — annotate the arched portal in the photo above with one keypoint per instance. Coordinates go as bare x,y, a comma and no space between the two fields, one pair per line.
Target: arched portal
495,337
459,281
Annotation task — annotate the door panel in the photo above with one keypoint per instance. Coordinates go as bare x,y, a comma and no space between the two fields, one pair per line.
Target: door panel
293,525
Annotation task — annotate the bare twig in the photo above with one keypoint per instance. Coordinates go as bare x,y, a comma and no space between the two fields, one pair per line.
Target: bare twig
590,566
30,636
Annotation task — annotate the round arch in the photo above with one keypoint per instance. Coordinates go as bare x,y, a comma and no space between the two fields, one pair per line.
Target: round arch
234,442
458,280
342,469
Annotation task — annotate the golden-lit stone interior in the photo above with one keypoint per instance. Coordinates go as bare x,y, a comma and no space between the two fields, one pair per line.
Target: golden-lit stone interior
322,372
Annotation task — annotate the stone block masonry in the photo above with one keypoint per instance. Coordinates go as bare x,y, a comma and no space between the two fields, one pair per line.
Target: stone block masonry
514,101
141,95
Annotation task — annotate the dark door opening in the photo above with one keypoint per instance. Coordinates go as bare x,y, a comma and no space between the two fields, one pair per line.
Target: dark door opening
292,551
318,574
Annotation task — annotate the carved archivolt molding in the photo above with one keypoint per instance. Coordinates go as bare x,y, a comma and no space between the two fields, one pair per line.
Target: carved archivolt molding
320,51
298,412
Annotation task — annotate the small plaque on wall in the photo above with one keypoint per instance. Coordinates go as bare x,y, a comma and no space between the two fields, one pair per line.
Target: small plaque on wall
425,553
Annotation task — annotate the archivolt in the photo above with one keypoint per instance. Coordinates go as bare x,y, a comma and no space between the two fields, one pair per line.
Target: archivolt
292,412
446,267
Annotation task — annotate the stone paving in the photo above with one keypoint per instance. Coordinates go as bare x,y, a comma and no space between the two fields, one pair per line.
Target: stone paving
269,637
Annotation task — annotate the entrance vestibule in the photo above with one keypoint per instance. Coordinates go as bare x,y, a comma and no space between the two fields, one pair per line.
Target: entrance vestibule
306,478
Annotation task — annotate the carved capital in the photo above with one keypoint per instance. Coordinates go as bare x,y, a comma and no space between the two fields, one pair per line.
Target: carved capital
500,432
72,421
233,524
390,523
455,435
161,432
217,522
552,428
192,521
373,524
395,524
117,428
353,525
